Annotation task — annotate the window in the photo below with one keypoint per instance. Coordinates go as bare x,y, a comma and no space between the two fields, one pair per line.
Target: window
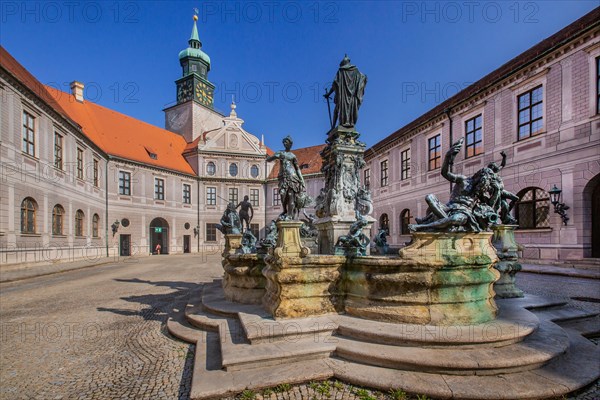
367,178
211,169
28,134
254,171
96,183
159,189
79,163
597,85
58,219
187,194
531,118
404,221
79,216
405,164
211,196
532,209
276,198
211,232
58,150
384,223
473,137
233,169
28,211
254,229
95,223
124,183
254,197
435,152
384,173
233,195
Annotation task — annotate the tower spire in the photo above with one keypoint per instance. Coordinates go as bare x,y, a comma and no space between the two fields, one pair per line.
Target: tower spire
194,41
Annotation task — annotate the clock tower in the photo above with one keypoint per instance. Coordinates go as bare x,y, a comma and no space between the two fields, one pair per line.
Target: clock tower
195,63
194,111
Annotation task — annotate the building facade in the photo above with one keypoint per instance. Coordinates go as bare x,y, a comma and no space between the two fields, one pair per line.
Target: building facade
542,110
80,181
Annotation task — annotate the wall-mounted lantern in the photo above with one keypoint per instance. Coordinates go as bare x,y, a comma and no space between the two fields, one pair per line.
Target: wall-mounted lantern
115,227
559,207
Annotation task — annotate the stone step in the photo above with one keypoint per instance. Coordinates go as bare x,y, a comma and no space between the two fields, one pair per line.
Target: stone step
259,329
213,300
588,327
512,325
178,326
546,343
209,381
568,372
533,302
239,356
560,315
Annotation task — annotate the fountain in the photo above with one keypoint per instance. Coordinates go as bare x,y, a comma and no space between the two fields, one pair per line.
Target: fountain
426,319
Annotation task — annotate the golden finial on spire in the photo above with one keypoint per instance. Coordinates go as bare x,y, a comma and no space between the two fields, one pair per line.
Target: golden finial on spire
196,11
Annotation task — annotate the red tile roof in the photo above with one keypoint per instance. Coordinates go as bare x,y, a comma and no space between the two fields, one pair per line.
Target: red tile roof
10,64
308,156
125,137
582,25
114,133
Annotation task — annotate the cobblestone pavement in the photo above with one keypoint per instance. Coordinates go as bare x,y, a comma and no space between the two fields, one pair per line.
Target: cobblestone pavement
99,333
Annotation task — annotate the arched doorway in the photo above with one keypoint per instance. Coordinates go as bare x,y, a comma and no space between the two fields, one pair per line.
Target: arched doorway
596,220
159,235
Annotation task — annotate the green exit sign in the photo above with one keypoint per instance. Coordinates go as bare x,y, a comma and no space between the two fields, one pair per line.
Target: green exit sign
157,230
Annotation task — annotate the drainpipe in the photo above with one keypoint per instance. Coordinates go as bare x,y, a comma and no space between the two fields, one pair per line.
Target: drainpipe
106,207
198,214
447,111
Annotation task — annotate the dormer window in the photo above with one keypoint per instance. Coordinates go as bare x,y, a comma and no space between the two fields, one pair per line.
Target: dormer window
151,153
303,166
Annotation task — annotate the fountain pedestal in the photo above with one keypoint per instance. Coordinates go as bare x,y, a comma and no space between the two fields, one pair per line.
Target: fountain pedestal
299,284
508,266
342,197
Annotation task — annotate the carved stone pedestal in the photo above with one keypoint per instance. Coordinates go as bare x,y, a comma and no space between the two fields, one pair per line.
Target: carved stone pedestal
233,241
343,195
299,284
508,266
243,281
331,229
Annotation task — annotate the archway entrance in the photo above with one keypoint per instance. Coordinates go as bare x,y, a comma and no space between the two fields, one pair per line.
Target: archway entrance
159,235
596,220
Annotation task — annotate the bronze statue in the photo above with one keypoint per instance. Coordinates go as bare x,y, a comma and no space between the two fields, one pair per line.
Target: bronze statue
248,242
349,87
469,208
270,240
381,241
292,189
355,242
244,215
230,221
500,197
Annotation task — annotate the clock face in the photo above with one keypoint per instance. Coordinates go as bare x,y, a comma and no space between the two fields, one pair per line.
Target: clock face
204,93
184,92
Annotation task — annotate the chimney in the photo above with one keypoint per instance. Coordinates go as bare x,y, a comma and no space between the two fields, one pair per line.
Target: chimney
77,90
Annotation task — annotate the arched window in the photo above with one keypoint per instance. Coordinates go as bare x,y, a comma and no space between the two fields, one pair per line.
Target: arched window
28,210
233,169
58,219
384,223
95,223
533,208
404,221
79,216
211,168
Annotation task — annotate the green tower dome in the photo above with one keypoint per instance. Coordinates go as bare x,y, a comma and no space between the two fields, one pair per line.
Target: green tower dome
195,47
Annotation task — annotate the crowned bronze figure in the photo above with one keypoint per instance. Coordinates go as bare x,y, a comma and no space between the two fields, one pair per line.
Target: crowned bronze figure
349,87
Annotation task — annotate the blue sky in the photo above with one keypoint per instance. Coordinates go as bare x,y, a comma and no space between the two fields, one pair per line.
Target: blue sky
277,57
